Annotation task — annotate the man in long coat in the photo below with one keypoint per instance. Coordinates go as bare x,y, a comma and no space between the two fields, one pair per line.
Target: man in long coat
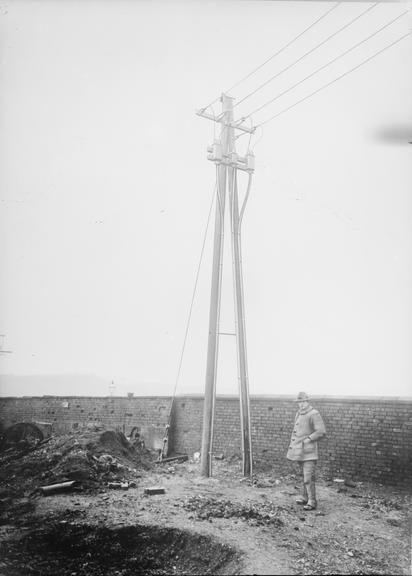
303,448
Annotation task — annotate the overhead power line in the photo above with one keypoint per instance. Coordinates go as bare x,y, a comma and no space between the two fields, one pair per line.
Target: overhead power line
335,79
277,53
307,53
327,64
284,47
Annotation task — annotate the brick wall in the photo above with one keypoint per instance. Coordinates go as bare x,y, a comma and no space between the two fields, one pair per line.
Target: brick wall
367,438
150,414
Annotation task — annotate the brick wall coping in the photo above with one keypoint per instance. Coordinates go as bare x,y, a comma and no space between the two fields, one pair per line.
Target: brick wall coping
46,397
232,397
314,398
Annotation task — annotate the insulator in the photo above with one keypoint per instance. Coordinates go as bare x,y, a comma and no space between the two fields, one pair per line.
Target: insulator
250,161
215,152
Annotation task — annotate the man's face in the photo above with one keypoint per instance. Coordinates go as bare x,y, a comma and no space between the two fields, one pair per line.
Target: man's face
303,404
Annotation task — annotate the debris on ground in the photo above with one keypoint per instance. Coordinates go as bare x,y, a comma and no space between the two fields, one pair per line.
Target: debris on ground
90,457
176,458
54,488
255,514
154,490
395,519
118,485
350,483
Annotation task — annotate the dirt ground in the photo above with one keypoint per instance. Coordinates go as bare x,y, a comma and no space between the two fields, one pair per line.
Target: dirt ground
226,523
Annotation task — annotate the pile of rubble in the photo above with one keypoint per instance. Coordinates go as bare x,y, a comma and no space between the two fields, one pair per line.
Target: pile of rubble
85,458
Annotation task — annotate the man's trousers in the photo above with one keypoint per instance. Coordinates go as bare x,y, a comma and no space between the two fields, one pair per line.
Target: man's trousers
308,472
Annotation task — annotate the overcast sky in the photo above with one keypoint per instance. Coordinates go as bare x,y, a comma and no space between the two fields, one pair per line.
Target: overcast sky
106,189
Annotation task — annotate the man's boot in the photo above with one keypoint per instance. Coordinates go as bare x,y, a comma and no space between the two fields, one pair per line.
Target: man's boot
304,499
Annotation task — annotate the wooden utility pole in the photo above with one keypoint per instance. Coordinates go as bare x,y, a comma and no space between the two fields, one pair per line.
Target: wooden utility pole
236,222
226,136
223,154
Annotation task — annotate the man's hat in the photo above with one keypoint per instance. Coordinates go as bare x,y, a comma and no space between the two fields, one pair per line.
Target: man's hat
302,397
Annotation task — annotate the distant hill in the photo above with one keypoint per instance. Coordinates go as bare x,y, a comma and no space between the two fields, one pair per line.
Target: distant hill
55,385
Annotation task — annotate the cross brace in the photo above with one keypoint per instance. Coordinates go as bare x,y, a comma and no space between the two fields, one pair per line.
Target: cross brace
235,125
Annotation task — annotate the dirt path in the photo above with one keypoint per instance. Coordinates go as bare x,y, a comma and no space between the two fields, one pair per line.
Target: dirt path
360,530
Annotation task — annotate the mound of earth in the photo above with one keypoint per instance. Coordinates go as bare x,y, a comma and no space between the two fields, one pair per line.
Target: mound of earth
88,456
